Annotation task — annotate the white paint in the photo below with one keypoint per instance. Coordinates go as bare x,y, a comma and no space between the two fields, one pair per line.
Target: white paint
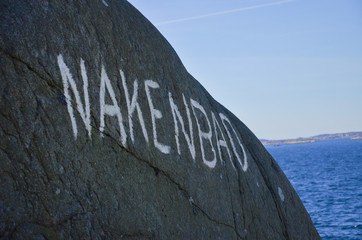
281,194
155,114
205,131
221,142
225,119
180,228
204,135
68,79
257,184
110,110
105,3
177,116
132,105
61,169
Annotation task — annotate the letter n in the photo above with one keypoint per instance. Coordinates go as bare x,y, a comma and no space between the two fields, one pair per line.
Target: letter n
177,116
68,81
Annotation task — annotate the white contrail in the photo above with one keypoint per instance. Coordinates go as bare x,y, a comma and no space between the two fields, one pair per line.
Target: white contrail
223,12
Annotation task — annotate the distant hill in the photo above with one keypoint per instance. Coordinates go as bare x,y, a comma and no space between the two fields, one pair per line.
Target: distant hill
351,135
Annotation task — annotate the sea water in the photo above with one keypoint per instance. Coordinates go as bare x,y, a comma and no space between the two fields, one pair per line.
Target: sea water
327,176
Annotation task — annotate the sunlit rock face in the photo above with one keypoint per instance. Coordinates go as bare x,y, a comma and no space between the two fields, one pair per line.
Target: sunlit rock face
105,135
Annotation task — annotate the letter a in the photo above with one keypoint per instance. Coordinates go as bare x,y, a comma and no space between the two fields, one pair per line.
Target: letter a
220,142
110,110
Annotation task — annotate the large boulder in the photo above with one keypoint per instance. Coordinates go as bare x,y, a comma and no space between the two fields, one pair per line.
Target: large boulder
105,135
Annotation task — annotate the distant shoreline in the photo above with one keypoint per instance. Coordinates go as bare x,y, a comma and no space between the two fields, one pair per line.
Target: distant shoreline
350,135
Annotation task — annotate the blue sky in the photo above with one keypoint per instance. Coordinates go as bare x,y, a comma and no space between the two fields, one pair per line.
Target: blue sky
286,68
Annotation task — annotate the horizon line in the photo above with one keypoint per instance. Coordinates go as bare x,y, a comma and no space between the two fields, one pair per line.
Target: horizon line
309,137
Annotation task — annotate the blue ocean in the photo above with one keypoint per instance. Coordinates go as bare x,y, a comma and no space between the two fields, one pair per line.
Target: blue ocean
327,176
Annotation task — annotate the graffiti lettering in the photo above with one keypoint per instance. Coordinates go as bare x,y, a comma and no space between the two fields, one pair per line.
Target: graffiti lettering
209,132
